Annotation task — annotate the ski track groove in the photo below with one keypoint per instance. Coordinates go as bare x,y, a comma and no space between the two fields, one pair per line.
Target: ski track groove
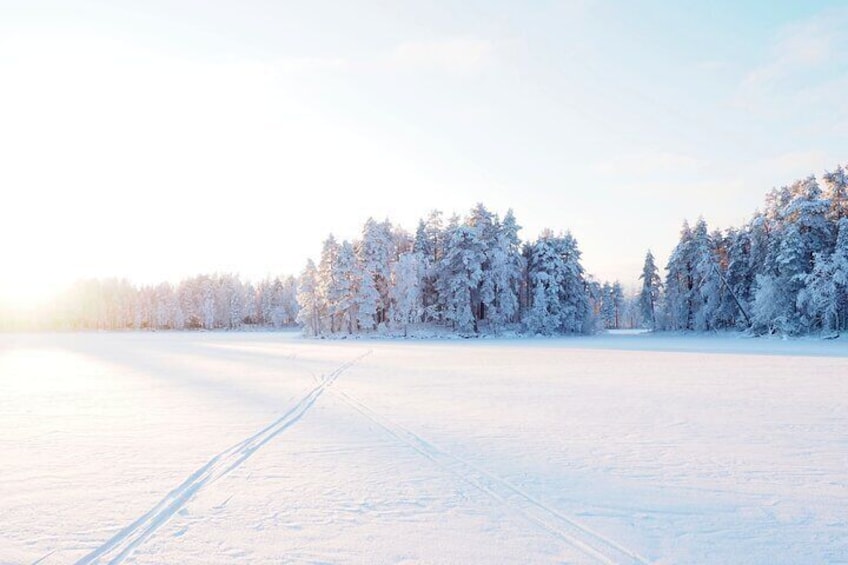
122,544
591,543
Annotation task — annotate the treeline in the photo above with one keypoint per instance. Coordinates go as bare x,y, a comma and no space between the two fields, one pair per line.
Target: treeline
471,275
784,271
201,302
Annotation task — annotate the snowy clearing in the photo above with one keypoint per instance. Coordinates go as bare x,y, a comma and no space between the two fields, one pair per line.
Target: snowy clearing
265,447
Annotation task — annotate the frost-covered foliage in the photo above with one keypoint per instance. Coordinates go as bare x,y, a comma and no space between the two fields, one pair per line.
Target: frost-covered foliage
405,293
559,298
311,305
784,271
470,275
649,296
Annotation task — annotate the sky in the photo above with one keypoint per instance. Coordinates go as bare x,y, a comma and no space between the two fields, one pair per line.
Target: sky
161,139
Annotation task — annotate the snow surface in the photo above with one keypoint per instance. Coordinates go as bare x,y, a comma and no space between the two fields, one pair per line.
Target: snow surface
265,447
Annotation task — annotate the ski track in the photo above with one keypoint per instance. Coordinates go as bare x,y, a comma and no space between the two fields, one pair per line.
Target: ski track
122,544
591,543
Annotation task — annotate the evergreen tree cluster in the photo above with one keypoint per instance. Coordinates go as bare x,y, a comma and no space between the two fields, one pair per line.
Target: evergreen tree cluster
200,302
785,271
472,275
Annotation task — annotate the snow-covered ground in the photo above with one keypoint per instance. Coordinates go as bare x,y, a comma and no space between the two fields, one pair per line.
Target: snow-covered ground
255,447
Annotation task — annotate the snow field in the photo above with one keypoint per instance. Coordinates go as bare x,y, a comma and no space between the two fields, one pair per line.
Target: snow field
216,447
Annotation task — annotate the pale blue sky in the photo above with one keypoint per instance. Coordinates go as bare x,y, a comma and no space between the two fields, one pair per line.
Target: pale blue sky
155,140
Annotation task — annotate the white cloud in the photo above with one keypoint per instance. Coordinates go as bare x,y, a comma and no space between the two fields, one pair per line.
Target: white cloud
457,55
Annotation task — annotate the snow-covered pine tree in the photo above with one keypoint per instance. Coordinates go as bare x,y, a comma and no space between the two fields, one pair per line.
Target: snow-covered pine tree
504,272
679,282
376,254
618,304
326,281
429,244
649,296
406,305
367,299
341,294
836,193
823,301
607,306
558,290
803,233
740,274
710,261
310,301
460,273
483,296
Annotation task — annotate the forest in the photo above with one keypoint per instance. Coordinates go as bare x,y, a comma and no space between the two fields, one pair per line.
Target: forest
784,271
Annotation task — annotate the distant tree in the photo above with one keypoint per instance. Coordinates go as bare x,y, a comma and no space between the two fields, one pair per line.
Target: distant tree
460,273
836,193
559,299
341,293
310,300
607,306
680,282
406,305
327,283
505,265
376,254
651,288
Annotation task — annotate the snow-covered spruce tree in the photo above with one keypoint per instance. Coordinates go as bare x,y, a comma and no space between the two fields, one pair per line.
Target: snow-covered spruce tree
326,282
710,312
367,300
612,304
740,275
495,300
839,265
649,296
483,296
618,305
376,254
341,294
310,300
836,193
595,294
460,271
607,306
823,302
502,279
430,243
680,283
559,300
